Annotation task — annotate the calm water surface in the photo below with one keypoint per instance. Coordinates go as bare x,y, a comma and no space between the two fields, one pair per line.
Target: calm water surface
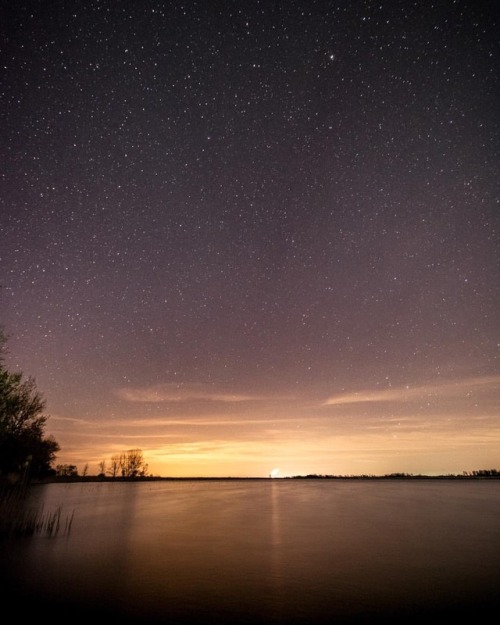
264,551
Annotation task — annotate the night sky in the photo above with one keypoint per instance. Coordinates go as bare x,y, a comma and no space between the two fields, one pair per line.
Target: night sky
246,236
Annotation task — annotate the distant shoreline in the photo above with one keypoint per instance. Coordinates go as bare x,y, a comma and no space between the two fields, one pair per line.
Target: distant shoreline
350,478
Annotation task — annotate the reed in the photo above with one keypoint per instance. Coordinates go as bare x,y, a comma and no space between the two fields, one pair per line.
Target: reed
17,520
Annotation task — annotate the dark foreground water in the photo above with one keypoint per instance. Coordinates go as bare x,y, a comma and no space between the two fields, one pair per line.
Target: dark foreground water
264,551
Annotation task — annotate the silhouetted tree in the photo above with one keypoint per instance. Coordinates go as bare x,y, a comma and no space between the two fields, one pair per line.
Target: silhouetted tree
66,470
132,464
102,468
24,449
114,467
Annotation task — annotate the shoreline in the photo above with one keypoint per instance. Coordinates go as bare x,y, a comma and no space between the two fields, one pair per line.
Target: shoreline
350,478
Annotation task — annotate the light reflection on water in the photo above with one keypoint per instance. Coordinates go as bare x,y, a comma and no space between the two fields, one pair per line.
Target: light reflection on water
265,551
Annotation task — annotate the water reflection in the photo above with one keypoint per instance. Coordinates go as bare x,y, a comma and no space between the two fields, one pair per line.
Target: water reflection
270,551
277,568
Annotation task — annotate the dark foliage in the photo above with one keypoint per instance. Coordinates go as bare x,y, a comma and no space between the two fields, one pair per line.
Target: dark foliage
24,449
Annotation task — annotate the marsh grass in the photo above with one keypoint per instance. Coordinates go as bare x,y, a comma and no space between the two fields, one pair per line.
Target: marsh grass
17,520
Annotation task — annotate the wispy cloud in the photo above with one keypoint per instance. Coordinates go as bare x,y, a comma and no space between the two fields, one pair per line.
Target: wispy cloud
188,422
183,393
462,388
76,420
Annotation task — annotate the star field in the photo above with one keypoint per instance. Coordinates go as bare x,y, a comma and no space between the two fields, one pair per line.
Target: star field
234,234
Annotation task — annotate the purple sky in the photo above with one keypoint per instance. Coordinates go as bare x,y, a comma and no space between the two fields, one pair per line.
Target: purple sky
248,236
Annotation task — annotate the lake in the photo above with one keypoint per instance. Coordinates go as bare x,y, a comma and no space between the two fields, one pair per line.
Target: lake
271,551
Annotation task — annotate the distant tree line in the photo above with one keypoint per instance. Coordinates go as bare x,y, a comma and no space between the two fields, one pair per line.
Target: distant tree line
128,464
465,474
484,473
